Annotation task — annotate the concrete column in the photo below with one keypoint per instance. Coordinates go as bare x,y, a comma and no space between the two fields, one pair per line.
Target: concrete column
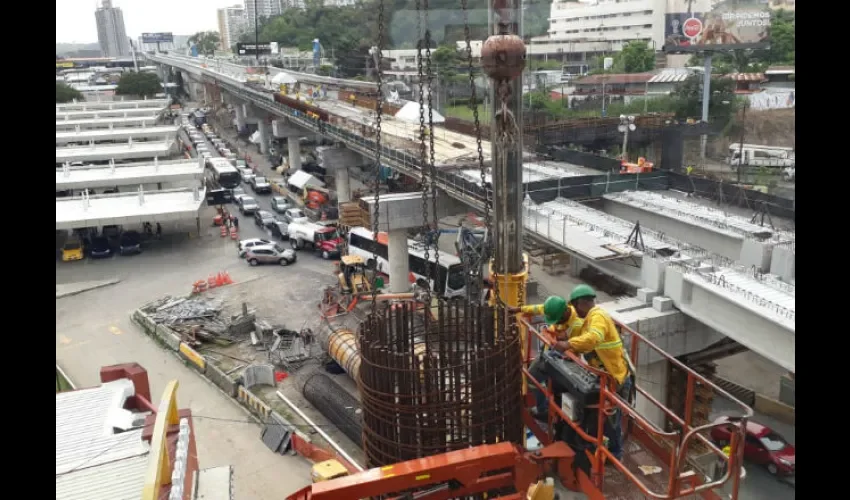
294,146
399,263
263,128
343,185
240,116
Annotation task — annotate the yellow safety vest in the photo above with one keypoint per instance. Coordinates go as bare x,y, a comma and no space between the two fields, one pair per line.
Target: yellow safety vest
563,330
599,336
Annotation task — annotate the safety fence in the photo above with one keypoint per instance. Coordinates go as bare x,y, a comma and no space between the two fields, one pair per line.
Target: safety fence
733,194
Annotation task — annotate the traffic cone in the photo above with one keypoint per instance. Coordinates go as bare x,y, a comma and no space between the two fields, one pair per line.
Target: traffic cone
211,282
223,231
219,280
227,279
233,234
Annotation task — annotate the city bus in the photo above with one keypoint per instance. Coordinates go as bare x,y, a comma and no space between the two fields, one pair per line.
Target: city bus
221,174
448,274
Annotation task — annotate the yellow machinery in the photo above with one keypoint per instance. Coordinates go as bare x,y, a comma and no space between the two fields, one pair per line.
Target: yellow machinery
352,276
327,470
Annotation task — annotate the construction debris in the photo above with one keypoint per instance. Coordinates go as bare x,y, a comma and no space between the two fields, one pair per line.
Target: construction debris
195,319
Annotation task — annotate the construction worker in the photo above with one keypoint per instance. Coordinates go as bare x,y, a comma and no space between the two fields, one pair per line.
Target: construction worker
600,342
561,322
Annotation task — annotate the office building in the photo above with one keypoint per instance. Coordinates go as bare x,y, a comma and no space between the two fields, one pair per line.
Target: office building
110,31
231,24
264,8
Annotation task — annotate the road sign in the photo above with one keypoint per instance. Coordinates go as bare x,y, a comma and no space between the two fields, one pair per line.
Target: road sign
251,49
157,38
692,27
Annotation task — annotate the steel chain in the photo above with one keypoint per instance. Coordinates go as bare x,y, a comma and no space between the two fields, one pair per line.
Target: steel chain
432,169
378,150
474,98
426,230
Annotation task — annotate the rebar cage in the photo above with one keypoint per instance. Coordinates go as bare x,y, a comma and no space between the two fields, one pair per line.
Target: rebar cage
434,385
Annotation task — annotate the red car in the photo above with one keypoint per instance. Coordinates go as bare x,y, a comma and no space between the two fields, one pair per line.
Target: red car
763,446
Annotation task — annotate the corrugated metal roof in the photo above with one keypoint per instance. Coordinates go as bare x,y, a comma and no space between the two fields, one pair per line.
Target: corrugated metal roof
669,77
119,480
746,77
615,79
84,434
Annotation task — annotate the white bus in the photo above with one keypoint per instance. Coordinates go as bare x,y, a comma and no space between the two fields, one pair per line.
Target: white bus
449,274
222,174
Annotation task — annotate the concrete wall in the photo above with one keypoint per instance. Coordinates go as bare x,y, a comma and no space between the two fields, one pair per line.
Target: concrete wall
725,245
782,263
628,274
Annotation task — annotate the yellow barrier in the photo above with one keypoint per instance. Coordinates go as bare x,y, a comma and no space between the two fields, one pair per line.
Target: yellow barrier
254,403
193,356
159,464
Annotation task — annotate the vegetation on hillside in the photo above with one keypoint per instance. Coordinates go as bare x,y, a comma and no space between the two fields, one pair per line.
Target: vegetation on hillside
66,93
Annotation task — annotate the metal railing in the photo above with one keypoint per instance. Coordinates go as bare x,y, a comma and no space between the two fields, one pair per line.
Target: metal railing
679,484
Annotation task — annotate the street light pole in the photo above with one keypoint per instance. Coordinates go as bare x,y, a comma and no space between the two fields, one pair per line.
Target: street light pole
256,34
627,124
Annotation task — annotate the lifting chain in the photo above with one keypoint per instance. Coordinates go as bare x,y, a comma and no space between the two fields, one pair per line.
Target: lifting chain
378,150
488,201
432,169
426,229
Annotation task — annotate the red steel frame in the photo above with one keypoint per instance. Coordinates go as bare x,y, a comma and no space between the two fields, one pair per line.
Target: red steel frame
678,484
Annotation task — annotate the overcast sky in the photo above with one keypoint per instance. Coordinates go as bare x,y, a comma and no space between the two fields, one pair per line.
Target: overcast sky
75,18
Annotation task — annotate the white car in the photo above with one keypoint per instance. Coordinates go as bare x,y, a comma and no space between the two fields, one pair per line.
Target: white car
245,245
206,154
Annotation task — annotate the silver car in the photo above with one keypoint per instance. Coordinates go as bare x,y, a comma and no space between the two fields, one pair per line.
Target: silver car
270,254
248,205
280,204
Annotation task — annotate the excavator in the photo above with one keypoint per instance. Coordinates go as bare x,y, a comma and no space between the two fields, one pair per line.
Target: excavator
667,455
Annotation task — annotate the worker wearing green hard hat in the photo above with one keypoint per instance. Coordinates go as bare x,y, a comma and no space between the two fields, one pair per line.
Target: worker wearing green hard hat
561,322
599,340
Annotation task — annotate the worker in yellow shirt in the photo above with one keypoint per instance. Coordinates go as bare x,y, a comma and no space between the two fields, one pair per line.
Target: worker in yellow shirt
600,342
561,322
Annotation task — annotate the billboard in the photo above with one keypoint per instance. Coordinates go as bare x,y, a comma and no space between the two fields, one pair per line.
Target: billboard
157,38
705,25
253,49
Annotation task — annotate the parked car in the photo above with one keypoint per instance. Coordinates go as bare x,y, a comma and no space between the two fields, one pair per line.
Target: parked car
260,185
280,204
72,249
248,205
206,154
99,247
271,254
261,217
762,446
129,243
247,244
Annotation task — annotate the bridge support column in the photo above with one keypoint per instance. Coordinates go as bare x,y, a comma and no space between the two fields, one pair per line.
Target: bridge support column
399,261
343,184
339,160
240,115
263,129
294,146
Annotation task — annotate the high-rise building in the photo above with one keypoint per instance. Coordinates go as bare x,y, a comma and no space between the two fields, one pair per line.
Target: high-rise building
264,8
231,24
110,31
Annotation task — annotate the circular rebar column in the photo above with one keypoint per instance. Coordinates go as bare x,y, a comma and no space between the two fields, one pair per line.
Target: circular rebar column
464,388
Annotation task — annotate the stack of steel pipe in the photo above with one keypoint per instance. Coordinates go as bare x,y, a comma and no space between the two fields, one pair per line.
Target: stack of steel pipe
336,404
463,389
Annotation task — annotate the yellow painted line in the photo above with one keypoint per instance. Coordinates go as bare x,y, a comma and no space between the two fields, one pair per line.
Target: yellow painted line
388,475
386,468
115,330
423,477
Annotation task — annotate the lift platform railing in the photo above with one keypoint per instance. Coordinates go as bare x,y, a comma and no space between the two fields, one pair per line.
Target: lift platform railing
679,484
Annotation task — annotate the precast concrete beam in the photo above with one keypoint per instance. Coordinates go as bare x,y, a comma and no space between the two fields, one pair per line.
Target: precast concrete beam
404,210
282,128
293,146
749,322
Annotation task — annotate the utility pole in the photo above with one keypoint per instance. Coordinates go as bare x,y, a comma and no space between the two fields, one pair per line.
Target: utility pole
256,34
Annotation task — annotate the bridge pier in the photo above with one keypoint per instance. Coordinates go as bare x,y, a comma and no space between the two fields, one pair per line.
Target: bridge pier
263,129
294,147
339,160
239,110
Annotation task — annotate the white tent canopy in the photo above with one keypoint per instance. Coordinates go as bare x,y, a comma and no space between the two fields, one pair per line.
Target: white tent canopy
283,79
301,178
410,113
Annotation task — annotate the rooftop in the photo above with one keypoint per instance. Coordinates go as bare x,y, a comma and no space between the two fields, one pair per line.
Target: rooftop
128,208
694,213
93,460
89,105
105,176
106,152
104,122
101,113
165,131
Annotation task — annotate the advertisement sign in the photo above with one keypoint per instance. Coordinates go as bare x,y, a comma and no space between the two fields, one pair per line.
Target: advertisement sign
157,38
704,25
253,49
64,64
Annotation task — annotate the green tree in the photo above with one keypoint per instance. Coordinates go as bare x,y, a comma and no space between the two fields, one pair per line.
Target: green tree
140,84
687,99
66,93
783,39
636,57
206,41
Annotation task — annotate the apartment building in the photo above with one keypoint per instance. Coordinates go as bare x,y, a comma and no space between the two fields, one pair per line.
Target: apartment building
264,8
232,23
111,34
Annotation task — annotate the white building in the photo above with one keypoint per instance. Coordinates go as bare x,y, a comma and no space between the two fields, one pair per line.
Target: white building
232,23
612,22
264,8
110,31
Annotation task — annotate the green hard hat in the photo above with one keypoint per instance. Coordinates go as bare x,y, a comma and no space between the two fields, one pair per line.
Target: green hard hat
553,309
581,292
